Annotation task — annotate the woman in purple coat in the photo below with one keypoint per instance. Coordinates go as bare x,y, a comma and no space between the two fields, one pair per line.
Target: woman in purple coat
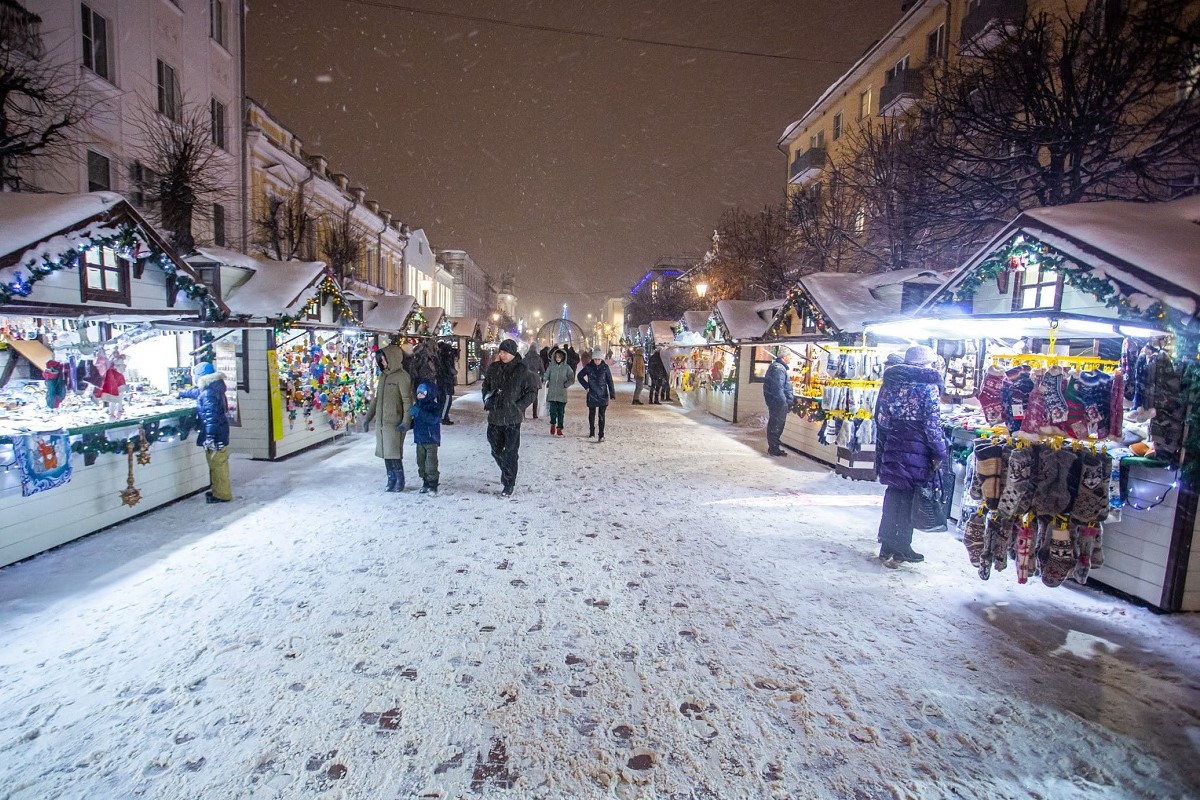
910,445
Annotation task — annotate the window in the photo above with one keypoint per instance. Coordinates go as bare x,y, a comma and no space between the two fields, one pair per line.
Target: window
169,103
860,222
210,276
104,276
761,358
837,126
216,21
218,212
218,123
1037,288
817,140
99,172
142,183
935,43
96,56
900,66
864,104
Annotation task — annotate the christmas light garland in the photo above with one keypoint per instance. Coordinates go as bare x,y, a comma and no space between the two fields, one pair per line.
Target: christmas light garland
803,305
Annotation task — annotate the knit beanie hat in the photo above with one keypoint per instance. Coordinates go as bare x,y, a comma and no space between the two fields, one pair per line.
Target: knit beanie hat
509,346
919,354
202,369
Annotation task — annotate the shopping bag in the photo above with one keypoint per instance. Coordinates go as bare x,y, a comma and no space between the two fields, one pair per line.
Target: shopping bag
929,506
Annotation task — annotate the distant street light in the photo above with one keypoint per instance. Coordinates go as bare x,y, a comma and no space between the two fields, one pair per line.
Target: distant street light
495,317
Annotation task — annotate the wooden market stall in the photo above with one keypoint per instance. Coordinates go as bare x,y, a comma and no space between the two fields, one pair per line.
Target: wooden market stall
1095,303
468,335
90,431
739,358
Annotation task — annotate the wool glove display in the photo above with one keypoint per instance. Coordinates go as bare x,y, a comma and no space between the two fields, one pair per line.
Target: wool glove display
991,395
1017,496
1061,562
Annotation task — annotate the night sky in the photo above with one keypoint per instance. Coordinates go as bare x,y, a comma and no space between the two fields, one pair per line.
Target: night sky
573,161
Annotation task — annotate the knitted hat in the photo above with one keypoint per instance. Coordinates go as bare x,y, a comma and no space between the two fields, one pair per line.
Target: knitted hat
202,369
919,354
509,346
598,353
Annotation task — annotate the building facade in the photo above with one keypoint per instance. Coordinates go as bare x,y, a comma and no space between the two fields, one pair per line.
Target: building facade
139,61
474,294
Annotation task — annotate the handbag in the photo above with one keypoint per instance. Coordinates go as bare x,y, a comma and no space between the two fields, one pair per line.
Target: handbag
929,506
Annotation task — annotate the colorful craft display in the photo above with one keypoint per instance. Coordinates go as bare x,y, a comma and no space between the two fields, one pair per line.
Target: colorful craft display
334,376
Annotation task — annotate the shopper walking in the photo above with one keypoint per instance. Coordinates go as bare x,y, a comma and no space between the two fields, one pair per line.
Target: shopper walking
659,378
596,377
572,358
447,378
507,391
427,434
558,378
779,396
910,446
391,410
637,370
212,407
537,374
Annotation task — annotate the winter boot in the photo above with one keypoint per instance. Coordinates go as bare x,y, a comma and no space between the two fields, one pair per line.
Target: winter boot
390,465
560,431
553,428
399,476
433,490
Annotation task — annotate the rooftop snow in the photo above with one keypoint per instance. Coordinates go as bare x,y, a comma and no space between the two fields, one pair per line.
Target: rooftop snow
850,299
275,288
26,218
742,319
389,314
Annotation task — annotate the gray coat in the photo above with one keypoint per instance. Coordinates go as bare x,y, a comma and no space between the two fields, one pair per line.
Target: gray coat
558,378
391,405
533,363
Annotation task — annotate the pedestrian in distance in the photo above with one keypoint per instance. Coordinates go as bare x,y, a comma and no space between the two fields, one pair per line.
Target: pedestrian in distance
627,358
507,390
572,358
537,373
427,434
658,379
779,396
391,410
212,407
638,371
558,378
447,377
910,446
596,378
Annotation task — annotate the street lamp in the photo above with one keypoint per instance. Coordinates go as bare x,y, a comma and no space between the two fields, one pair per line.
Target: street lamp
495,317
702,289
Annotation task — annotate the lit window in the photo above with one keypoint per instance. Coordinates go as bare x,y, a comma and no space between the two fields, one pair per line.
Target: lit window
864,104
105,276
96,56
860,222
1037,288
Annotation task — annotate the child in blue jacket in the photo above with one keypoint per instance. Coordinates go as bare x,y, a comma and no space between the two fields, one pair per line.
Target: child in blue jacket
427,433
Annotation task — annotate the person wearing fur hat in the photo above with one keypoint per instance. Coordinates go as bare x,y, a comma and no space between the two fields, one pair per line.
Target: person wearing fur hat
910,446
596,377
558,378
508,389
391,409
212,408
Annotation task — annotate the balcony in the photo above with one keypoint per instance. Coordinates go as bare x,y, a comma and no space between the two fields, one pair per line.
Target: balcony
807,165
984,21
900,93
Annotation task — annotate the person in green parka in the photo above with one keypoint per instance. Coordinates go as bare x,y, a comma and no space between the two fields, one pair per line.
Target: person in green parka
391,410
558,377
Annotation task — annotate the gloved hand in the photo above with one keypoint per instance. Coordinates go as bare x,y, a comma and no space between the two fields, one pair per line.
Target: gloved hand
402,427
210,444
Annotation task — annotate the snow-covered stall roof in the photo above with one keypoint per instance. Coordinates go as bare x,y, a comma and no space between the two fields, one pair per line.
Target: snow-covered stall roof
695,321
225,255
1153,249
467,327
46,227
849,300
434,317
275,288
742,319
389,314
662,332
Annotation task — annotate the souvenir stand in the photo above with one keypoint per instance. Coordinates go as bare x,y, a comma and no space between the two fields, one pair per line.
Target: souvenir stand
739,362
693,354
836,370
302,365
660,344
91,433
468,338
1071,340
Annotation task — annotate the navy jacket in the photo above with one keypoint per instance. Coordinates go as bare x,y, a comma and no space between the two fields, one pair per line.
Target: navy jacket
777,387
427,414
597,379
909,435
211,407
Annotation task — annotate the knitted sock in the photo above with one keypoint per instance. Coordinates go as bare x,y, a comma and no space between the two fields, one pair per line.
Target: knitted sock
991,395
989,458
1085,546
1042,542
1052,388
1095,392
1076,424
1061,562
1025,544
1052,495
1017,494
1091,495
974,534
1015,395
1097,550
1036,412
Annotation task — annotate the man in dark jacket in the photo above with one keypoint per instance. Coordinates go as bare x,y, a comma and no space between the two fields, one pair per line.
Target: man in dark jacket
778,394
659,377
447,378
572,357
537,372
596,377
212,409
910,446
507,390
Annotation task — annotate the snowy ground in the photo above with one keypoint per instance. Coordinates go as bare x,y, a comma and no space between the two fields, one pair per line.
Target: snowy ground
668,615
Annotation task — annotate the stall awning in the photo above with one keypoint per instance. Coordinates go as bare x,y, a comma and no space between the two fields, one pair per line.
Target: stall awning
34,351
662,332
850,300
695,321
466,327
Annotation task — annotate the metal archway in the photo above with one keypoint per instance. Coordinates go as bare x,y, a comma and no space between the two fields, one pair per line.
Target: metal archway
561,331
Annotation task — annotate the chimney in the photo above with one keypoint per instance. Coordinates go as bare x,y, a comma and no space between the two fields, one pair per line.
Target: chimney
373,205
387,217
320,165
297,147
359,193
340,179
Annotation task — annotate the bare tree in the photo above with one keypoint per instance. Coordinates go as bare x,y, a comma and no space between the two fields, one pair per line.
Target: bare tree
343,243
284,225
43,106
1102,103
758,257
181,171
672,298
826,218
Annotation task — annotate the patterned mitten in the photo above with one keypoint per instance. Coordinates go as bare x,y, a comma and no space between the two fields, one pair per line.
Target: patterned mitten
1000,529
990,395
1036,413
989,468
1018,483
1041,549
1052,494
1061,562
974,535
1085,546
1097,550
1091,495
1026,566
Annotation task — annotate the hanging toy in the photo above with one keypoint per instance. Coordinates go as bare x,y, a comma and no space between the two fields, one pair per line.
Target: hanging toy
56,383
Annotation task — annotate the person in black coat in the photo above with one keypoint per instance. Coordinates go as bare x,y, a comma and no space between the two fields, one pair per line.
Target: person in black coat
572,357
596,377
779,396
447,377
508,389
212,409
659,377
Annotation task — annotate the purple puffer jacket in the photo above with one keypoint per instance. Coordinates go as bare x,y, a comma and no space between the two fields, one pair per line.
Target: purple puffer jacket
910,439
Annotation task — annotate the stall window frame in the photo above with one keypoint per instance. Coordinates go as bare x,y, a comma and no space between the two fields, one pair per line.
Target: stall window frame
103,294
754,362
1020,287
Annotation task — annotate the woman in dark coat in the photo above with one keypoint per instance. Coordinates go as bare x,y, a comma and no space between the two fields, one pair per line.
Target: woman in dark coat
212,407
447,378
910,446
596,377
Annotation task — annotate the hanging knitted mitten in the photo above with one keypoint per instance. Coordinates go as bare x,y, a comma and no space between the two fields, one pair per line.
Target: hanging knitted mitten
1001,531
1017,494
1091,495
991,395
1061,562
1052,494
1085,546
1025,546
989,457
1097,550
974,534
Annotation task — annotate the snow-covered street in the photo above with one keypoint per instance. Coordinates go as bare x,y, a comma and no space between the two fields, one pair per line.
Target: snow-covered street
670,614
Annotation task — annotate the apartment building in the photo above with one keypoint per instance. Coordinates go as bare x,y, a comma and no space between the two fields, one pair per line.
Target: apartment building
474,294
171,58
